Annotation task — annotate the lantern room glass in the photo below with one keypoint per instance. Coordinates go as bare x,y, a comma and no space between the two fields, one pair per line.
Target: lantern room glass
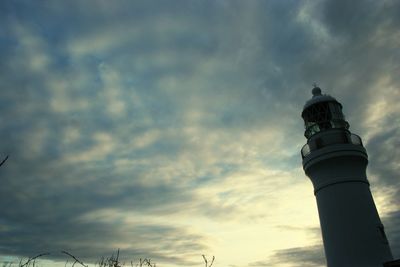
323,116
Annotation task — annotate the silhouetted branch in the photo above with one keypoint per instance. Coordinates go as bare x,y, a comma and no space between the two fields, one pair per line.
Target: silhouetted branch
7,263
205,260
76,260
145,262
111,261
4,160
33,258
149,264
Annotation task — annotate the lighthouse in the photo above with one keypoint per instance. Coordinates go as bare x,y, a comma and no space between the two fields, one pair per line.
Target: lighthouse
335,160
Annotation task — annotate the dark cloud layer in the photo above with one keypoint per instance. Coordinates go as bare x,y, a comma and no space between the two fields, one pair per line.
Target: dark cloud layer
299,256
136,107
385,169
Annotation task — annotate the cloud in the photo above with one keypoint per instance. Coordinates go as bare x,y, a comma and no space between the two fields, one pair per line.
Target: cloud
304,256
297,256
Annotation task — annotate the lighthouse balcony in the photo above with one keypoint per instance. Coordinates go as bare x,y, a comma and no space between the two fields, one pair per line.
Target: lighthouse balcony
327,139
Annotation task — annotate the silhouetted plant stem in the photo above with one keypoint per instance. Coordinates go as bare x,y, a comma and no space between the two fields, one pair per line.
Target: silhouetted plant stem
4,160
76,259
205,260
31,259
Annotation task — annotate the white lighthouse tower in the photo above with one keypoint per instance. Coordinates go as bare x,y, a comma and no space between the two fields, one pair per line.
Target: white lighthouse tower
335,161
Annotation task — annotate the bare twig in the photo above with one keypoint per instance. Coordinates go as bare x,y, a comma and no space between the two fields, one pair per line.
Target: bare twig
206,262
116,263
7,263
112,261
145,262
76,260
31,259
4,160
149,264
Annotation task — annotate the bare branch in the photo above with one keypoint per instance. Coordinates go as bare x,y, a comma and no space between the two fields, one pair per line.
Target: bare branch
206,262
148,263
76,260
33,258
116,263
7,263
212,261
4,160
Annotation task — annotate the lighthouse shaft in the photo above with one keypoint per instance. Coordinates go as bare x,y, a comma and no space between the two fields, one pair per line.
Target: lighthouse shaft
335,161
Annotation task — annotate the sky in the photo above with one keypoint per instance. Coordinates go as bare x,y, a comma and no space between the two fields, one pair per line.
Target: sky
172,129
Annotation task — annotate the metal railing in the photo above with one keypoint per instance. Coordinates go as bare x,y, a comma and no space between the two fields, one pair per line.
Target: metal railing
354,139
305,150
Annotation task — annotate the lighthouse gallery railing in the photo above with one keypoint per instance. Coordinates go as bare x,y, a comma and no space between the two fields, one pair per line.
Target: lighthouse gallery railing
354,139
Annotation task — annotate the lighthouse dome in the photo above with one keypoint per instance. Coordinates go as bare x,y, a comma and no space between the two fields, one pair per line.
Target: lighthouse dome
319,97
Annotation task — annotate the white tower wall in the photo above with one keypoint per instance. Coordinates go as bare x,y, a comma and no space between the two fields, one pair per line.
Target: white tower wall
352,232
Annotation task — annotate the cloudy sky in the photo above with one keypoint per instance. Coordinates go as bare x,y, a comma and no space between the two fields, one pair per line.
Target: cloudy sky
171,129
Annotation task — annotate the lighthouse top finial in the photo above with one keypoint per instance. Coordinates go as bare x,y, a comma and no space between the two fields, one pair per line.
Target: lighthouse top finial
316,91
